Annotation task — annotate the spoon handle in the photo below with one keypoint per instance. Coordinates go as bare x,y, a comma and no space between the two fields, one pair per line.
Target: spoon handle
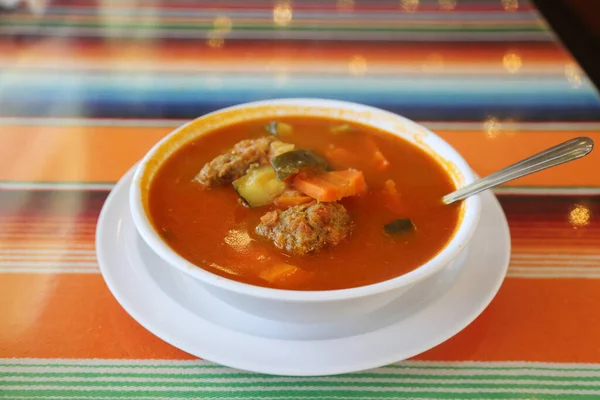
562,153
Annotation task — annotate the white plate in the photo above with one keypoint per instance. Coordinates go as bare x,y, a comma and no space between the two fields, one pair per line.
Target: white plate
176,308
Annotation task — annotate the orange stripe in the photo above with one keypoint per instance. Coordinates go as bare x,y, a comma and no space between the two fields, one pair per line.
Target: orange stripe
75,316
82,153
163,55
70,316
533,320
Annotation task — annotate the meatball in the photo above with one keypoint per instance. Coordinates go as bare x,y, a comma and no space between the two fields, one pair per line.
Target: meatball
234,164
306,228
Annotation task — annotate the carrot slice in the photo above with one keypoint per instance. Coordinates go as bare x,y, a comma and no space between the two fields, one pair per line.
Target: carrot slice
285,275
291,201
392,197
332,186
291,198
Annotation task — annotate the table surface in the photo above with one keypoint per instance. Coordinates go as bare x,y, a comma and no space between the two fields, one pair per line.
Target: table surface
86,87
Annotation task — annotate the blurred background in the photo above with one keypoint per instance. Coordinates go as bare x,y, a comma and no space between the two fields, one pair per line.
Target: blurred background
475,71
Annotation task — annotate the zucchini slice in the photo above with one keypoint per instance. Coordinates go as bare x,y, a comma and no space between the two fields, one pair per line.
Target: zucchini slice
399,226
292,162
259,186
279,129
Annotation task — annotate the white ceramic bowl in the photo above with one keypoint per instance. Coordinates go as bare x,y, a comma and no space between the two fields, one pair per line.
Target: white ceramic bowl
306,306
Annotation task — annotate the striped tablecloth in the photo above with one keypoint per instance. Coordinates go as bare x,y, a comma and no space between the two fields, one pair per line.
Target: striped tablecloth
86,87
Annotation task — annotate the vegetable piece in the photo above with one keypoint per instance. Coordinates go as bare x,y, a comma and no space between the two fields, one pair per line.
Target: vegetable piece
341,129
341,157
291,198
285,275
379,159
292,162
399,226
259,186
391,197
279,129
332,186
278,148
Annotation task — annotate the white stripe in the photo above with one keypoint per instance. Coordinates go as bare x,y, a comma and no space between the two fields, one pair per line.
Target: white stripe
37,236
480,36
25,249
50,252
52,246
540,373
301,389
98,362
548,275
264,69
521,125
555,256
55,257
71,270
552,191
505,190
71,266
558,263
20,248
564,270
69,233
92,268
55,186
527,248
65,270
46,264
70,227
133,122
173,123
25,219
199,379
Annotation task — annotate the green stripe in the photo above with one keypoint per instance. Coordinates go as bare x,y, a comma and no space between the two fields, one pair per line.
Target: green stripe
209,27
242,375
515,368
280,384
280,394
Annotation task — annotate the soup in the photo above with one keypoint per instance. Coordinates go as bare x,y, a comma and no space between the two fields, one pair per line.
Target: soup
303,203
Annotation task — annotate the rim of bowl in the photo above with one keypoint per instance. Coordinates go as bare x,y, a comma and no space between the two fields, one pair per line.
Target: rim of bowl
462,235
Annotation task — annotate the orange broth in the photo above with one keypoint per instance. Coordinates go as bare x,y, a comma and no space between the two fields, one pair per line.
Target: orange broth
211,229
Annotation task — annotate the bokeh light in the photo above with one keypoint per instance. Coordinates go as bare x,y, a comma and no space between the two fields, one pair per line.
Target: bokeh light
510,5
448,5
580,216
512,62
357,65
410,5
573,75
492,127
282,13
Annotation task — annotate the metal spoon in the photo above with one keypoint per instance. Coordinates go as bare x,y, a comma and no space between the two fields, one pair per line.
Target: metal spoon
562,153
